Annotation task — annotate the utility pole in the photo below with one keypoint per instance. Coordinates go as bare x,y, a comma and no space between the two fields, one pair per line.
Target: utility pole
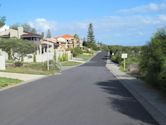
48,62
124,64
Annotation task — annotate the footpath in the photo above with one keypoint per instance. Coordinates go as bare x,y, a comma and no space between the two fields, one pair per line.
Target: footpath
150,98
23,77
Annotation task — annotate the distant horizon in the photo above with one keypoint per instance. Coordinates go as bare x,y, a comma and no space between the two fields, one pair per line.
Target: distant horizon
115,22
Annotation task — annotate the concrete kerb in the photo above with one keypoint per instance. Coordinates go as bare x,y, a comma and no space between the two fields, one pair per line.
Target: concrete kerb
153,111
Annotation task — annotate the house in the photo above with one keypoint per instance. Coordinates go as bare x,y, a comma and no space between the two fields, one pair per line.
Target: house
20,34
68,41
64,42
58,46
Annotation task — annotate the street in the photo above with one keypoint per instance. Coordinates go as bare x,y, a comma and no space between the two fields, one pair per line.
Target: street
85,95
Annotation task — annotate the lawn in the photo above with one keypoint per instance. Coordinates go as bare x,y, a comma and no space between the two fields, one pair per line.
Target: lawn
32,68
4,82
85,56
41,68
70,63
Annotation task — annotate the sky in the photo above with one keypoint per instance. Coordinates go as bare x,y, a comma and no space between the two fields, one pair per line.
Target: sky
116,22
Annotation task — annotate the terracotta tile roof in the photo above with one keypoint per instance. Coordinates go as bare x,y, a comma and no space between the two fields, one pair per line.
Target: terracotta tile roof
66,36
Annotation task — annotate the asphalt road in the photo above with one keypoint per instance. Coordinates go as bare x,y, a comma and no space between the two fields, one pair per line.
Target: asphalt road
86,95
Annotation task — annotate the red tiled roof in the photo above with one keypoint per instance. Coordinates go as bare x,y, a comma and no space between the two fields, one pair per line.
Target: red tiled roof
66,36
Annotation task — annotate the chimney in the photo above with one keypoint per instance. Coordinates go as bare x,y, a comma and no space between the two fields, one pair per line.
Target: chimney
20,32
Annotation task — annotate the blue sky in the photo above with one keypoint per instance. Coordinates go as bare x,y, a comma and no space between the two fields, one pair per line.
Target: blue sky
125,22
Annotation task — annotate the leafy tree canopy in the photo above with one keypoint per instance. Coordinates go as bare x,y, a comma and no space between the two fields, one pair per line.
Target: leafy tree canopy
90,37
48,33
19,46
153,60
27,27
2,21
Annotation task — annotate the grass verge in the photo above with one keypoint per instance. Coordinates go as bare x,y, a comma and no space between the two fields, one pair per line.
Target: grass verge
85,56
32,68
70,63
4,82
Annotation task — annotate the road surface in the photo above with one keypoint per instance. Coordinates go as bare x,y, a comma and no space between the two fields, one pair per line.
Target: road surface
86,95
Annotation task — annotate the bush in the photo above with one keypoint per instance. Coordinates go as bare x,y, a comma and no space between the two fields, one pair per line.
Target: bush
76,51
18,64
63,58
116,59
153,60
132,51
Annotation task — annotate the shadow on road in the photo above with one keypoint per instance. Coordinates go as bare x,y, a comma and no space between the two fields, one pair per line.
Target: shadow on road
123,102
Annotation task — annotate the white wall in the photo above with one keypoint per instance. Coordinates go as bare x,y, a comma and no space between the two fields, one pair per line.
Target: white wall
44,57
29,58
2,62
5,54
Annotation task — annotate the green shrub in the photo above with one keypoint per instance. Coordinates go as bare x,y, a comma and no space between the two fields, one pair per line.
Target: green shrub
153,60
63,58
18,64
116,59
76,51
52,66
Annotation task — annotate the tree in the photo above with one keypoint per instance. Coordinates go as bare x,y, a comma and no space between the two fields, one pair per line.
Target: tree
15,26
90,37
19,46
48,33
33,31
2,21
76,36
42,34
27,27
84,42
153,60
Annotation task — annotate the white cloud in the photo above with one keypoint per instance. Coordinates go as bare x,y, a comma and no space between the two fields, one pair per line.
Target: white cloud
129,22
42,24
162,17
151,7
137,28
126,28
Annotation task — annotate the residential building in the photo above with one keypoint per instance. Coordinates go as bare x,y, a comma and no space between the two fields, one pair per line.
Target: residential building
69,41
20,34
64,42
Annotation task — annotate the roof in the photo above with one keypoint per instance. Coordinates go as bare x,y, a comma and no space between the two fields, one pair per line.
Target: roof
53,40
66,36
28,34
